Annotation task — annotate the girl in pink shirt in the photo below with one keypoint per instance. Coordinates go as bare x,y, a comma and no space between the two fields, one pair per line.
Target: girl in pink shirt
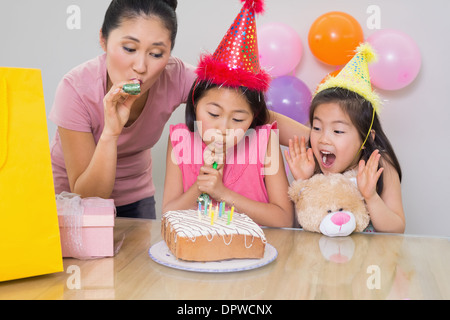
227,126
226,149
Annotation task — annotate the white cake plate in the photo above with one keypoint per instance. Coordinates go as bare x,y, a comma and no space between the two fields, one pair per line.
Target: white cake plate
161,254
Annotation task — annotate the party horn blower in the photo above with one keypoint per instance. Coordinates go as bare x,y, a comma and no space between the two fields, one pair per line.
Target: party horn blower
132,88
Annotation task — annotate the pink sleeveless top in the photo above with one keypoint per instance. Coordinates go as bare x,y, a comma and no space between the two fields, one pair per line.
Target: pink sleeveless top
244,165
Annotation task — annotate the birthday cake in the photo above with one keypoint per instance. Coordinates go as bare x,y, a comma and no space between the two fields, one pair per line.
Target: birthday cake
192,236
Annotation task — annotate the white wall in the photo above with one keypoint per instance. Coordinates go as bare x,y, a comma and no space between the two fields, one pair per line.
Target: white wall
35,34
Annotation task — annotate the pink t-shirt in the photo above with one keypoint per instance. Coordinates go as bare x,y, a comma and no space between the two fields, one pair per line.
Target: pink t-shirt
78,106
244,165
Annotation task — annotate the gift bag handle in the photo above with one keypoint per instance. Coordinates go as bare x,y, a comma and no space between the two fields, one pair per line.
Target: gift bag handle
3,122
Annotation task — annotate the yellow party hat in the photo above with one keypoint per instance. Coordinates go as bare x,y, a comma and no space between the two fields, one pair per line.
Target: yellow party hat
355,76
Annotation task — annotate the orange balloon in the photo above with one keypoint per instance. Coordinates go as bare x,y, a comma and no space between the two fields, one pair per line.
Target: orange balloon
334,36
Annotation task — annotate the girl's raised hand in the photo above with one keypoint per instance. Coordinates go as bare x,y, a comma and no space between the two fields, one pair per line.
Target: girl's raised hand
301,161
368,175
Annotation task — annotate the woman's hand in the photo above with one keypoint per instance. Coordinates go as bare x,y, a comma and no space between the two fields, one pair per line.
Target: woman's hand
368,175
117,107
301,161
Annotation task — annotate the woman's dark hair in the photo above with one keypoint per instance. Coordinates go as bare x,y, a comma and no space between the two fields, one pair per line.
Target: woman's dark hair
360,112
120,10
255,99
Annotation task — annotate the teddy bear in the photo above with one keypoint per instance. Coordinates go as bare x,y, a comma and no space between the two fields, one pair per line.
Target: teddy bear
330,204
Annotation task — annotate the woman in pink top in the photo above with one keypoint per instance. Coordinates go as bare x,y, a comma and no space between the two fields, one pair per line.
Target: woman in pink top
103,144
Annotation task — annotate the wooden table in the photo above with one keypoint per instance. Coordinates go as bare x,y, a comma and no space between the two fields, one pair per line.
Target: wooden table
308,266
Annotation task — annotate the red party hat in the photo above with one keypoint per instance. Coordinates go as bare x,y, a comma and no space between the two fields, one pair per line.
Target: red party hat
235,63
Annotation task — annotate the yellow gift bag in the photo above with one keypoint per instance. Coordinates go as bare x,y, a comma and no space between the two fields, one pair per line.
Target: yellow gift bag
29,233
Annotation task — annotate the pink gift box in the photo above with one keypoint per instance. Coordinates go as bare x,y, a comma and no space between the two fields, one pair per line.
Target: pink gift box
90,234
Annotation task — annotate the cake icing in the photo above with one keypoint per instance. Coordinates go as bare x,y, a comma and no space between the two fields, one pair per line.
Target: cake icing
187,224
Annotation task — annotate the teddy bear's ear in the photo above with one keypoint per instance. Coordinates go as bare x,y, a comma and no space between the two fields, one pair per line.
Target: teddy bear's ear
295,189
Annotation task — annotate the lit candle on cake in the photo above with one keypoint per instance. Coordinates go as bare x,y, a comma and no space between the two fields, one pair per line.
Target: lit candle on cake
203,198
210,207
199,210
221,209
205,212
217,209
230,215
212,215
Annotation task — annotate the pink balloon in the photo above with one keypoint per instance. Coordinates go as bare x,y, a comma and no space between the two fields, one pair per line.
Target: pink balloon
280,48
399,60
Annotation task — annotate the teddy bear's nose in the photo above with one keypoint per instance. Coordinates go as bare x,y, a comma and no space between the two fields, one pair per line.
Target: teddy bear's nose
340,218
